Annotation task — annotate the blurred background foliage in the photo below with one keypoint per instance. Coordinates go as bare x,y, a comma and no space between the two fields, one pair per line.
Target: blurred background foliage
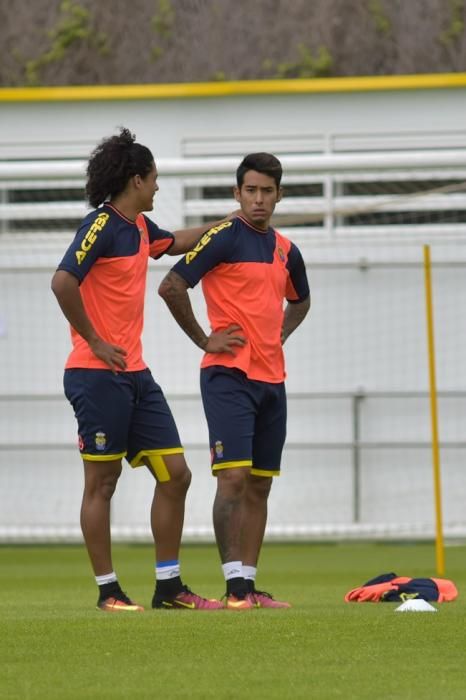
105,42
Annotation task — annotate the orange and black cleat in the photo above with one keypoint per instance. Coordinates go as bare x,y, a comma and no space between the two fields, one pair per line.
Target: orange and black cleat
118,603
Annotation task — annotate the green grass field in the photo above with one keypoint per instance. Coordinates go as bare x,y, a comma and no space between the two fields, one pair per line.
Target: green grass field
54,644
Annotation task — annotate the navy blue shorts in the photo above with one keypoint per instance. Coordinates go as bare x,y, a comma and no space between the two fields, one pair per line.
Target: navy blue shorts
246,420
122,415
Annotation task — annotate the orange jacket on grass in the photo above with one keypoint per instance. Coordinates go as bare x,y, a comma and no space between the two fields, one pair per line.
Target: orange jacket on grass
388,588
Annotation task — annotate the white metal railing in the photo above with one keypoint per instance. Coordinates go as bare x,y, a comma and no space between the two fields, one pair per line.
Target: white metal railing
318,164
330,170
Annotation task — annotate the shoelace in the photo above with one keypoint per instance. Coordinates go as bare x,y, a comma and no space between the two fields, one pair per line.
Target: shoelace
187,590
264,593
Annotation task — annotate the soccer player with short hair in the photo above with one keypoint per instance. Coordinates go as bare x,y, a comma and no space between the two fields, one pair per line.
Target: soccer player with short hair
248,270
121,411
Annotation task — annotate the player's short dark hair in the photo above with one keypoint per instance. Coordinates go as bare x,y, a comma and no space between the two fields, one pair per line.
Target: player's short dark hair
264,163
113,163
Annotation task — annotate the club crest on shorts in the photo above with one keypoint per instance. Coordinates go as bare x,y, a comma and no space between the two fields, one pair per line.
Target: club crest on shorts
100,441
218,449
80,443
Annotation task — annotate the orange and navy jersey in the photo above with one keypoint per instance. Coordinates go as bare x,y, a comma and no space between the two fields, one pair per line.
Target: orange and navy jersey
246,276
109,257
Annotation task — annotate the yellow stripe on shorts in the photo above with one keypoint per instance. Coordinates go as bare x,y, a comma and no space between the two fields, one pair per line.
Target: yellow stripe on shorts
156,461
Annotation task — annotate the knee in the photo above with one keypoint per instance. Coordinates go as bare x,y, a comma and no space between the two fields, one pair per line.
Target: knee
103,487
184,480
231,482
108,486
179,482
259,488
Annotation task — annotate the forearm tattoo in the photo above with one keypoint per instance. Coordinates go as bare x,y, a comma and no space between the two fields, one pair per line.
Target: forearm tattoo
174,292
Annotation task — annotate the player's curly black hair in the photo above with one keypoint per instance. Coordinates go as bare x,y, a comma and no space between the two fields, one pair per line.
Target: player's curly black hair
113,163
262,163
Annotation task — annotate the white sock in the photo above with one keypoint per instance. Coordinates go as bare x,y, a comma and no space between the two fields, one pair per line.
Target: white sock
165,570
232,569
106,578
249,572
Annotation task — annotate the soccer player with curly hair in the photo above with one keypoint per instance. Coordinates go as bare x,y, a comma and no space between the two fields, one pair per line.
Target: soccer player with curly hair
120,410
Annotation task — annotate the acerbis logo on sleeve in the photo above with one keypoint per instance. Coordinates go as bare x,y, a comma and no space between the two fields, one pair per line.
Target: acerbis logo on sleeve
205,240
91,237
